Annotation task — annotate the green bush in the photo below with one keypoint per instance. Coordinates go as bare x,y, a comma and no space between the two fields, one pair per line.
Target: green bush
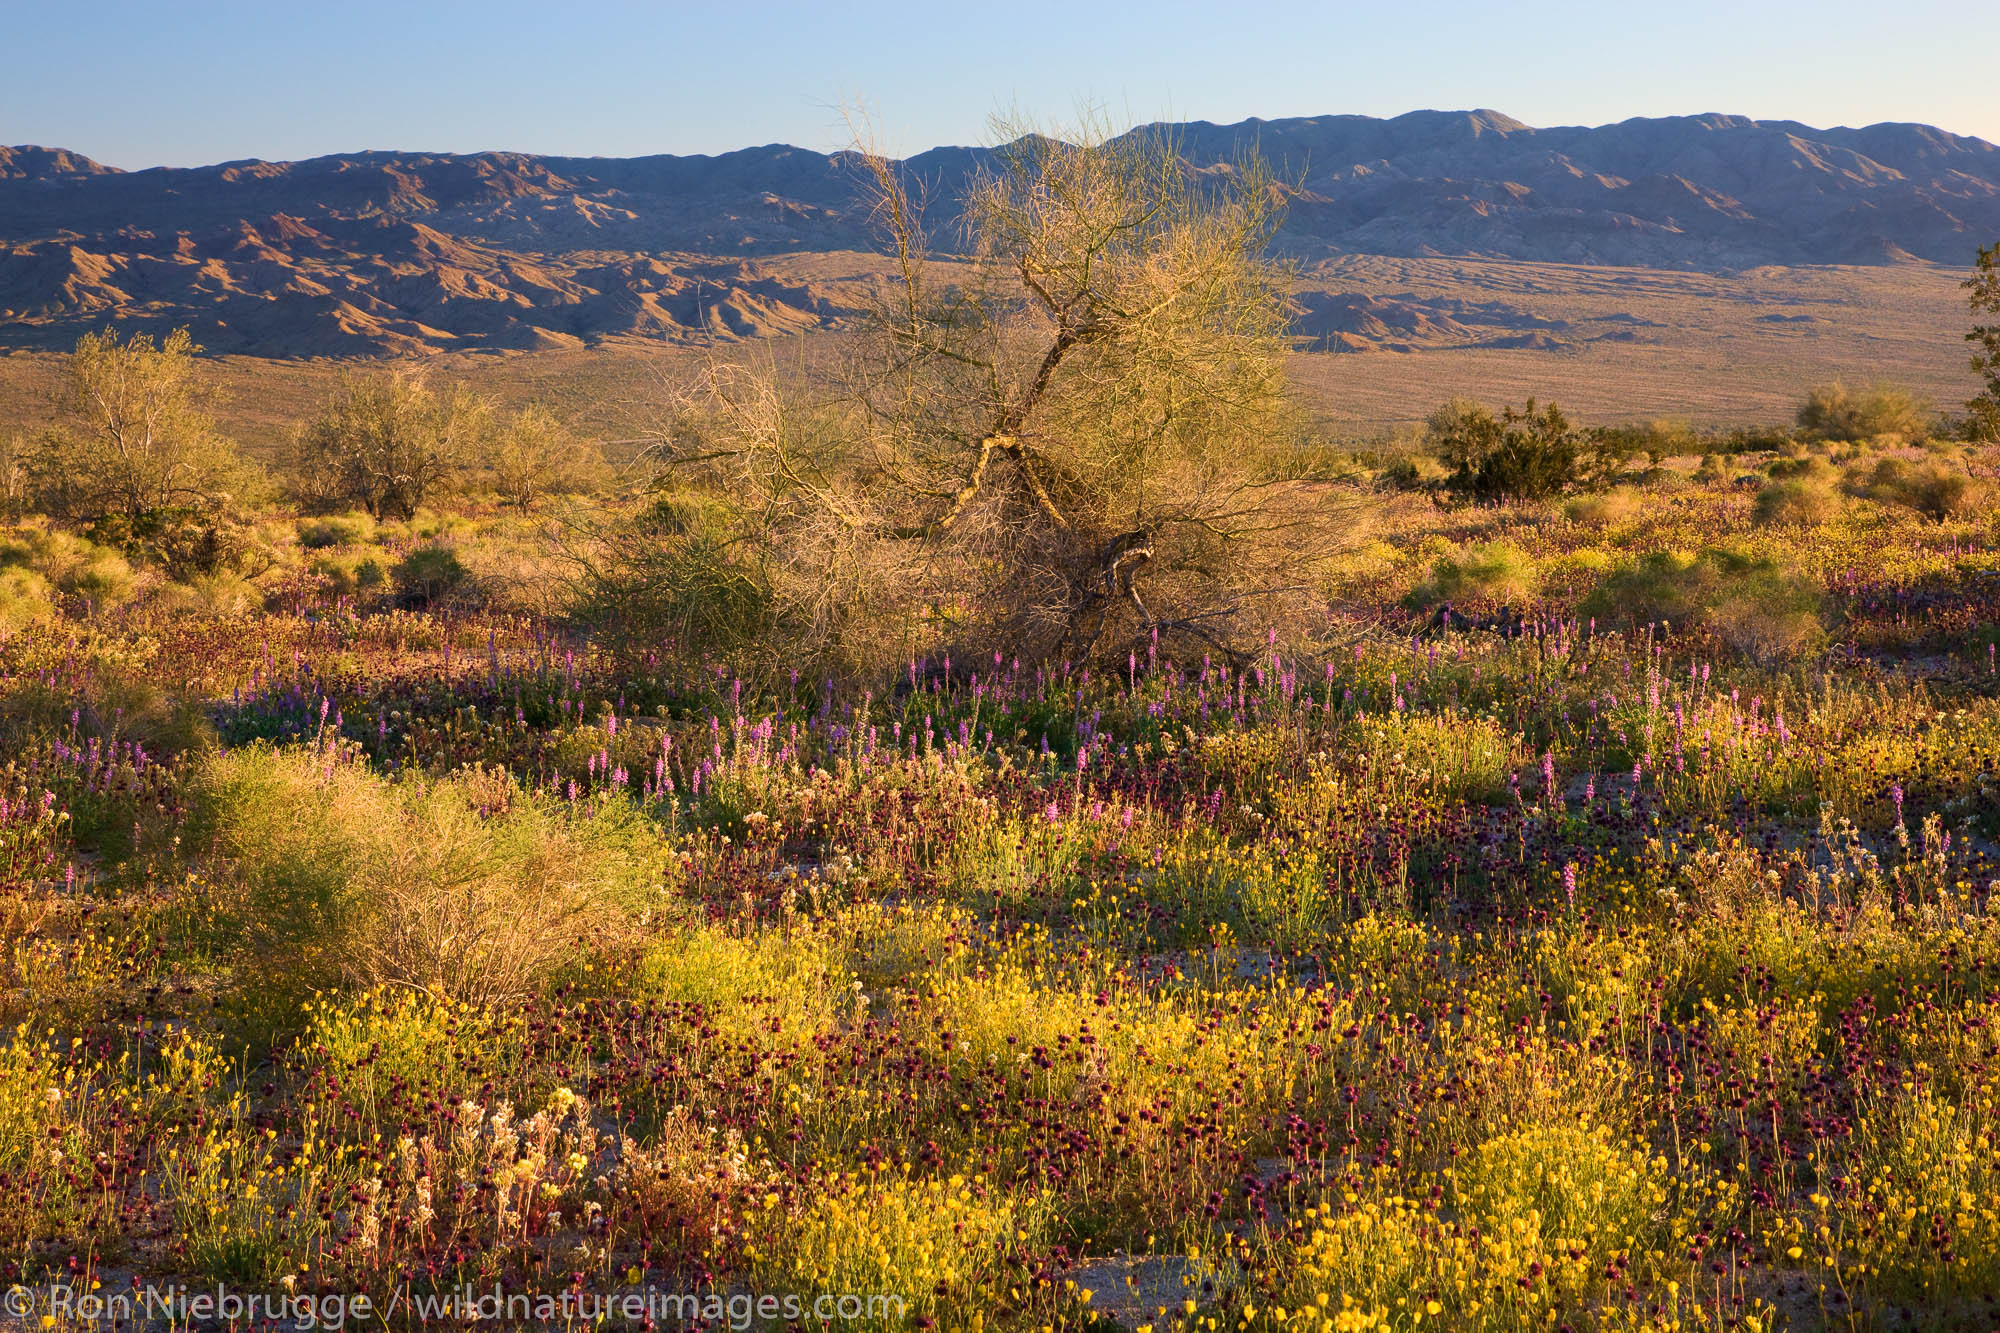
1528,454
1491,572
1754,604
317,534
680,576
327,875
186,542
429,573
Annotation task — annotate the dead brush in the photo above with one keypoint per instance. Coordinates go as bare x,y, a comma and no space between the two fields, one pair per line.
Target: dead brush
682,1192
466,887
482,1179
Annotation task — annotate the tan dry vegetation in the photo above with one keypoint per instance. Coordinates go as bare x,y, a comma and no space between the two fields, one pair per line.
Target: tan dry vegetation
1701,346
1709,349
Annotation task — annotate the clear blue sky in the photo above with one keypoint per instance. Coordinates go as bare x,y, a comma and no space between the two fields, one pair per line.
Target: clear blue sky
144,84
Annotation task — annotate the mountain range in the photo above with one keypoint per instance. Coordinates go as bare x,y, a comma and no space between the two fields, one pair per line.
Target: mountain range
395,252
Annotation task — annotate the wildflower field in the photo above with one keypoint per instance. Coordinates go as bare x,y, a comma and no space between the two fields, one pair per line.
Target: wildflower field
1585,925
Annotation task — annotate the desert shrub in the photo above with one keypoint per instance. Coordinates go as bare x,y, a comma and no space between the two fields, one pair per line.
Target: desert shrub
1795,502
1836,412
1800,468
1711,470
1056,454
1456,430
339,571
1493,572
535,455
1524,454
1658,440
427,574
1982,412
317,534
1410,474
1938,491
465,887
1753,603
211,596
683,579
1757,439
183,541
1599,510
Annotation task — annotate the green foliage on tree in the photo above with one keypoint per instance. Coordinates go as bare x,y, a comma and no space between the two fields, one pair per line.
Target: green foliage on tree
133,433
387,442
1983,295
1837,411
134,456
535,455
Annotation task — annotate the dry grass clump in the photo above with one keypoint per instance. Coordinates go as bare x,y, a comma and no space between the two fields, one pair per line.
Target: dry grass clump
25,598
98,577
350,529
465,887
1604,509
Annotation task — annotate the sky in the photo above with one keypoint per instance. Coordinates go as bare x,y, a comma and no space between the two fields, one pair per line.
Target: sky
152,84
